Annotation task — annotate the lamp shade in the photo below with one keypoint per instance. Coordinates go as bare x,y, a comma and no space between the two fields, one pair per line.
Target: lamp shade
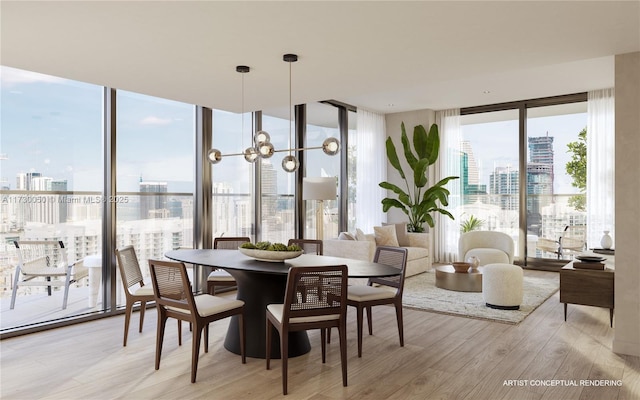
319,188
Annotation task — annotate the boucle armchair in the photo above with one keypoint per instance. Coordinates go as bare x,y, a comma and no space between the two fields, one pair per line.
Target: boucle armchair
489,246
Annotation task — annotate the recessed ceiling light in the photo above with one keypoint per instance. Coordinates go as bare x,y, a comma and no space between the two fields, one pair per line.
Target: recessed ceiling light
391,105
486,91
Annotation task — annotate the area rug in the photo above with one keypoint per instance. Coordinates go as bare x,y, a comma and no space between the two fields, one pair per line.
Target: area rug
420,293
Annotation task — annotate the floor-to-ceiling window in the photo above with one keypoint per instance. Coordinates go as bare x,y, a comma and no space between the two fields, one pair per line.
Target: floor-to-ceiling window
155,172
322,123
556,180
489,168
277,186
232,178
533,153
50,184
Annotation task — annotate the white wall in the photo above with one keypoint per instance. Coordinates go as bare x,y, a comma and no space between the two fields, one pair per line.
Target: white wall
627,280
393,122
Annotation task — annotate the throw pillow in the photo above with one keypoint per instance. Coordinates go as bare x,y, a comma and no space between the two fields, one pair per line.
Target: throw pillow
360,235
386,235
346,236
401,233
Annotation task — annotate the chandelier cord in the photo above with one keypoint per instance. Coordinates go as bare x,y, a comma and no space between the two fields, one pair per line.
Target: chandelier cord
290,107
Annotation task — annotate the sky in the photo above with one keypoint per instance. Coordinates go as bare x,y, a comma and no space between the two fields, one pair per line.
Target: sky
54,126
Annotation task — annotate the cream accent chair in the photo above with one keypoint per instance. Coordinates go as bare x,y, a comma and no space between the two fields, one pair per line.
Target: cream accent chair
489,246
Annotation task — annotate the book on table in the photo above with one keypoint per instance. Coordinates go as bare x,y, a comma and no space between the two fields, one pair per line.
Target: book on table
588,265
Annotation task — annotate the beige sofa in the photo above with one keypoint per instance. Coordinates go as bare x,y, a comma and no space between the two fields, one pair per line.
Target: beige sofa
419,257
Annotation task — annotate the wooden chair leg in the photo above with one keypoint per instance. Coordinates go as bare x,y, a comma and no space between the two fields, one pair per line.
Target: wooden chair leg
323,343
400,323
195,349
342,331
370,320
284,355
162,321
127,318
179,332
359,324
143,307
206,338
243,339
268,344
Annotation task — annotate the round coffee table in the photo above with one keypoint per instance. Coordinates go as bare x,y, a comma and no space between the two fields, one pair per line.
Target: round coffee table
448,278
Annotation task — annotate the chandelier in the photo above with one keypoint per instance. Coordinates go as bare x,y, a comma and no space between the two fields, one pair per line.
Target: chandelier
262,146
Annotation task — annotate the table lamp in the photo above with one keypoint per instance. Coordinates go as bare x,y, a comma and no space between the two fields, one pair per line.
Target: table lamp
319,188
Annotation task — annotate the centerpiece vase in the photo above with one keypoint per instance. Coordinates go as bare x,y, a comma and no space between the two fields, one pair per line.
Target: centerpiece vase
475,262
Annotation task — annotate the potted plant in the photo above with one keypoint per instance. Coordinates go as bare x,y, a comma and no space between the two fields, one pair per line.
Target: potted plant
471,224
418,201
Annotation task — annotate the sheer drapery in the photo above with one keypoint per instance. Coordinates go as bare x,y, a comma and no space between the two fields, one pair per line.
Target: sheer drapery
447,231
371,169
600,165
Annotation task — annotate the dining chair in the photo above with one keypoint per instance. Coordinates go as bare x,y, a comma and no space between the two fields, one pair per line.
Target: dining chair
324,307
309,246
135,289
366,296
220,277
175,299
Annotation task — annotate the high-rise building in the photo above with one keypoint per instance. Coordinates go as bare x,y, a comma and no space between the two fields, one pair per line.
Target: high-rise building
539,174
24,179
151,206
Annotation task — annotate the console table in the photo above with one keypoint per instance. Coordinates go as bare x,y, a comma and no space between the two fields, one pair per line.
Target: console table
587,287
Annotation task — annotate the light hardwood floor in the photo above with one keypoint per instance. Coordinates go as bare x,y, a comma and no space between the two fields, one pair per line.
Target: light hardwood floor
444,357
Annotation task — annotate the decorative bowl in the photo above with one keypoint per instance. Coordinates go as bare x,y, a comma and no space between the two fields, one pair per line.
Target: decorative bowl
270,256
461,267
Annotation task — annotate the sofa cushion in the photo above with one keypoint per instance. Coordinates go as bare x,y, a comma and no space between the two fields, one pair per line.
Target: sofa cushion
401,233
346,236
488,256
386,235
360,235
414,253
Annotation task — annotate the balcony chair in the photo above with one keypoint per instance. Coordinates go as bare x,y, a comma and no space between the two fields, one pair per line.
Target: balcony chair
220,277
44,263
490,247
571,241
175,299
324,308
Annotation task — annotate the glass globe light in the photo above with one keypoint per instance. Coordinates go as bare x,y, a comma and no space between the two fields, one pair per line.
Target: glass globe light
266,150
214,156
261,137
290,163
251,154
331,146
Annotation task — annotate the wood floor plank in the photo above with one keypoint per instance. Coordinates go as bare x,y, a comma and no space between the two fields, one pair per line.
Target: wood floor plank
444,357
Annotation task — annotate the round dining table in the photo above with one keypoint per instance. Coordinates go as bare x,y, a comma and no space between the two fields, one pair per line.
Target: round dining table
261,283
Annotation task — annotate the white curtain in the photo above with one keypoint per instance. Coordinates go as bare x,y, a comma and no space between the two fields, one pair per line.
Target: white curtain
371,169
447,231
600,165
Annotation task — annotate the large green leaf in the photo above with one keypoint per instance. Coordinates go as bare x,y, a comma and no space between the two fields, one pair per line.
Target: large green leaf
387,203
433,143
420,173
420,142
393,157
412,160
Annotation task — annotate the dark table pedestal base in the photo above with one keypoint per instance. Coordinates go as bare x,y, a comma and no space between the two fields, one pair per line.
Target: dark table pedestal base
258,290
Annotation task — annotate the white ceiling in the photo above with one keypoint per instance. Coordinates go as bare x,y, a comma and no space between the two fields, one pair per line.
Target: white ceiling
414,55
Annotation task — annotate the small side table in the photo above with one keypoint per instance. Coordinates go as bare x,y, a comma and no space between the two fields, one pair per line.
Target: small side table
448,278
94,263
587,287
